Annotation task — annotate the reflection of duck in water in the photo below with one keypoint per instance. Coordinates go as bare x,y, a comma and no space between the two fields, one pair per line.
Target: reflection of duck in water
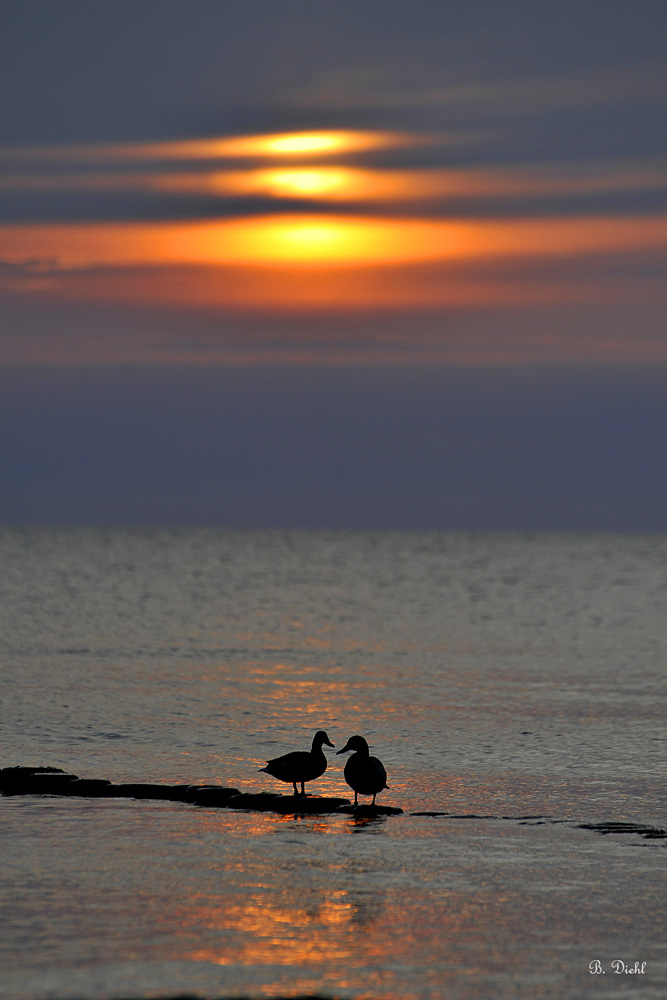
301,765
364,774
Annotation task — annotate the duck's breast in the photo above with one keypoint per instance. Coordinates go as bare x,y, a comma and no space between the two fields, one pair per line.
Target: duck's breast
365,774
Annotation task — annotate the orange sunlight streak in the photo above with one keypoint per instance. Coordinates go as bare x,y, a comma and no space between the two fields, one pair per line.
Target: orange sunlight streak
278,145
317,241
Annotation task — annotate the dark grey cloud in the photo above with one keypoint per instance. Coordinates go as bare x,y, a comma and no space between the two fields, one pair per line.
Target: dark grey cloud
510,83
100,206
504,97
89,183
81,71
147,207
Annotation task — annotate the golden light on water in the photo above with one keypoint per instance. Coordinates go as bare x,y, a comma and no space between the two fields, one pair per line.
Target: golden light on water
280,931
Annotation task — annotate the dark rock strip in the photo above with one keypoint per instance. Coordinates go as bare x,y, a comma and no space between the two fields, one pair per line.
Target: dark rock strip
191,996
35,781
210,795
647,832
53,781
610,826
366,809
457,815
142,790
525,819
516,819
89,787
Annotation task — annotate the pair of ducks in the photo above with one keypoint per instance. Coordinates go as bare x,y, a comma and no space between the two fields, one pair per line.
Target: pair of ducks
364,774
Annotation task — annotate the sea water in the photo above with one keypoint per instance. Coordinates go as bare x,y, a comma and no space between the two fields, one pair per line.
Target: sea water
514,685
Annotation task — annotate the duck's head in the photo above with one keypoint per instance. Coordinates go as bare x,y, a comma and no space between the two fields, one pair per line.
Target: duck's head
320,738
356,743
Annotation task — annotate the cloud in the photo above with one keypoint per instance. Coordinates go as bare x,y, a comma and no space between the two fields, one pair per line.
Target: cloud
326,235
282,146
27,267
379,91
325,241
145,181
319,183
33,274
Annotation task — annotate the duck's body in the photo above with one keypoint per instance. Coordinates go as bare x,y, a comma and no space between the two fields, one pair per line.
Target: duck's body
364,774
302,765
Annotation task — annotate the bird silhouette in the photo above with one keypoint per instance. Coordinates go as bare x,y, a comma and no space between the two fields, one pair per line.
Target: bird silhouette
302,765
364,774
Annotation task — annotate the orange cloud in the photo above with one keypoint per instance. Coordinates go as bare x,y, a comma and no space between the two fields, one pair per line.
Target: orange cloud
357,184
315,241
278,145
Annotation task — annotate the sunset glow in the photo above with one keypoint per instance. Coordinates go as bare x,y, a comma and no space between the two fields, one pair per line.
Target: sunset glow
360,184
329,267
278,144
316,241
291,144
302,182
298,143
369,254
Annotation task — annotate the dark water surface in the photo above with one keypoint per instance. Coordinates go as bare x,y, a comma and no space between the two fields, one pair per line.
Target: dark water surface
503,676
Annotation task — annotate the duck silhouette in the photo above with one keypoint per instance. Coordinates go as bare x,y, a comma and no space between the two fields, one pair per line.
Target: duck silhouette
364,774
302,765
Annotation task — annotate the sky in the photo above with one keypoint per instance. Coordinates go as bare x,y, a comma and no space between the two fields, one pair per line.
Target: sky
330,263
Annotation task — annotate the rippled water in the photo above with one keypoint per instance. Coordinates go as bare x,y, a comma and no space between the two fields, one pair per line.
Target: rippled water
504,676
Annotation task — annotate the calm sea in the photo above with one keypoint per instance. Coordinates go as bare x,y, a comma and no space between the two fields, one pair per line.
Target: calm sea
499,678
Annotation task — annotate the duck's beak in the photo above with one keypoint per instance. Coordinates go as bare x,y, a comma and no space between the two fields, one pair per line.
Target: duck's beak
329,743
346,747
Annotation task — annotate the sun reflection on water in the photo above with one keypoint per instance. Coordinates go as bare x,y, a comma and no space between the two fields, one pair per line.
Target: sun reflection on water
273,931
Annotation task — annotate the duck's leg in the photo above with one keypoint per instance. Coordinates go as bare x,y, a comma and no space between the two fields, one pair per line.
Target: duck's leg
303,790
374,794
355,800
296,791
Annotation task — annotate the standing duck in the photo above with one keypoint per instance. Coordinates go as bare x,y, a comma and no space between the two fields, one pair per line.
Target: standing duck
364,774
301,765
